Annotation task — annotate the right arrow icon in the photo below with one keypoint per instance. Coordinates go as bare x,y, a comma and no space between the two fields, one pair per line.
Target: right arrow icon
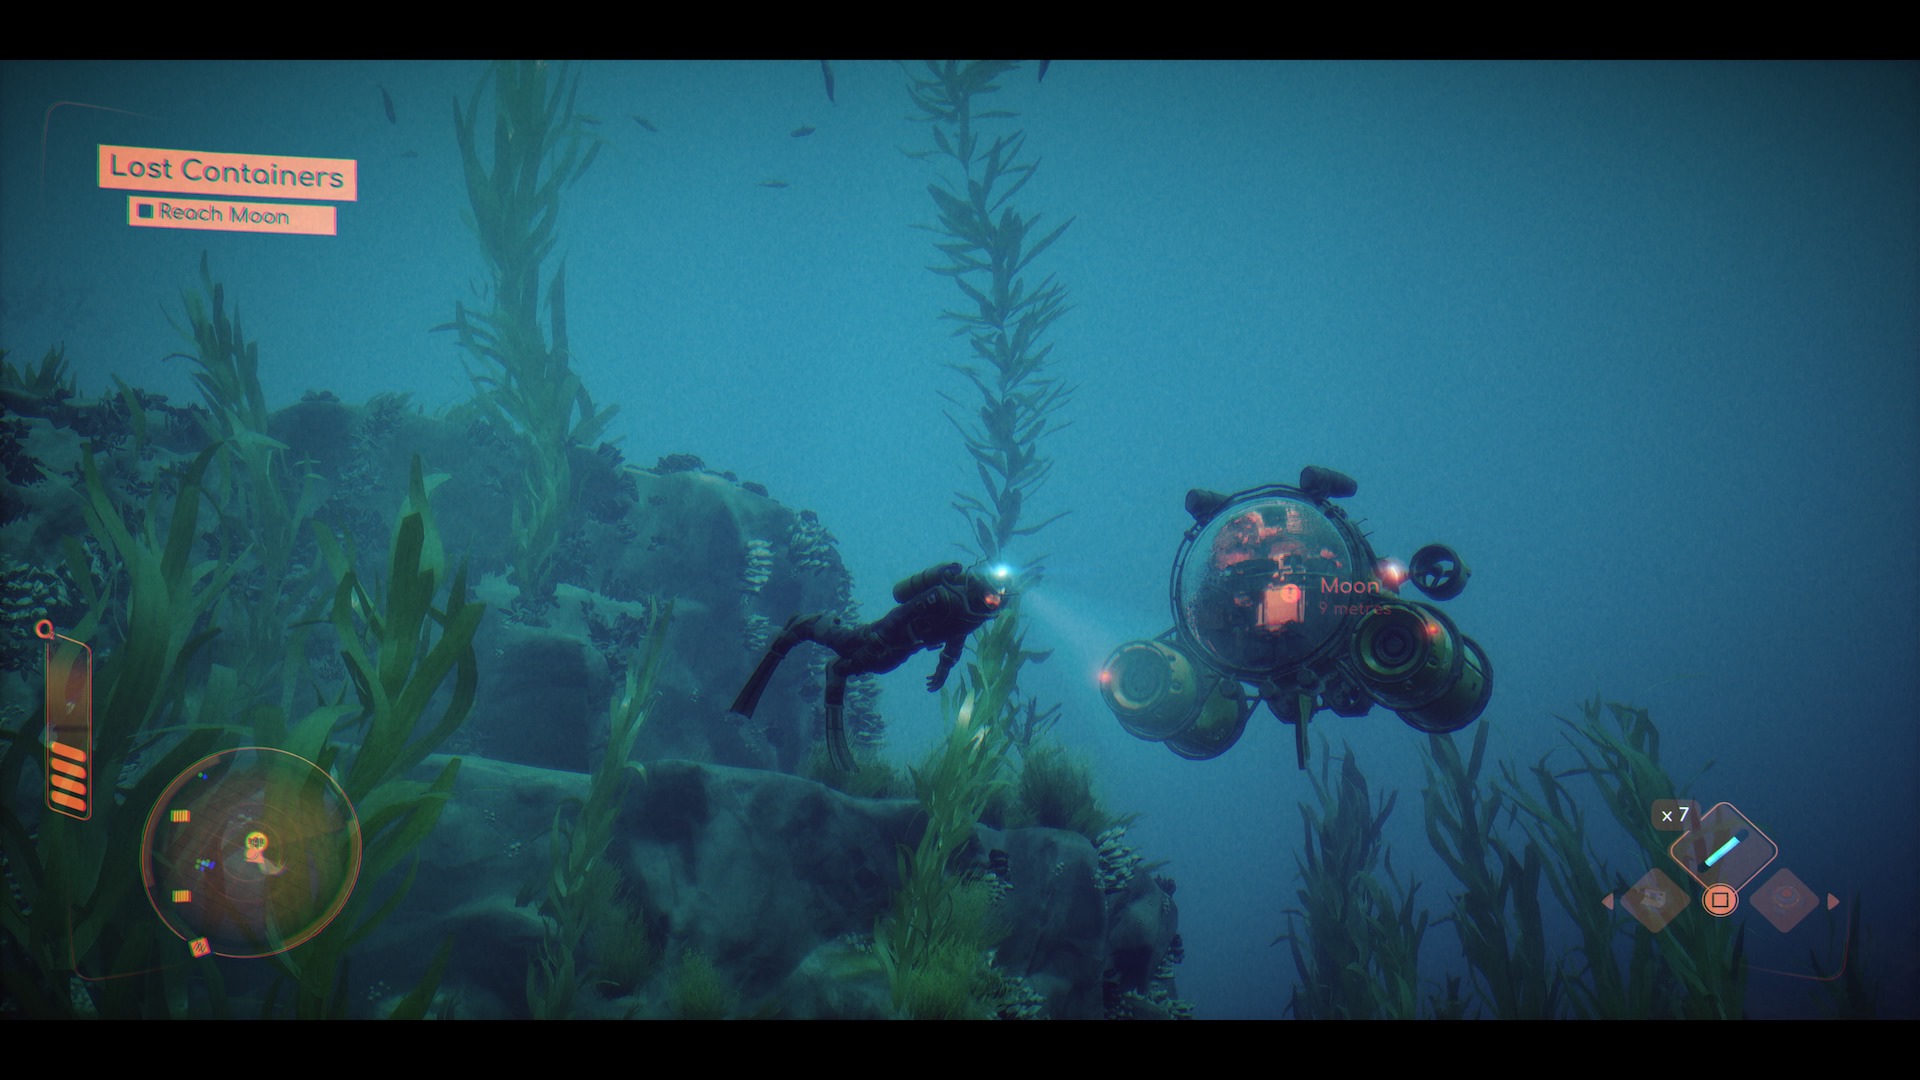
1832,901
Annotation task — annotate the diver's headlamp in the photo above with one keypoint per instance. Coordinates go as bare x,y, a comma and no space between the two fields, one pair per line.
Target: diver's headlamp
994,584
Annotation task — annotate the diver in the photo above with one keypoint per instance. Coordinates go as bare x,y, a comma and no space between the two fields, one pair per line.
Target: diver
938,608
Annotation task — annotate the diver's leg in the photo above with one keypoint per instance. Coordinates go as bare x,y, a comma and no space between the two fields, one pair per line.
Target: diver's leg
836,702
798,629
844,640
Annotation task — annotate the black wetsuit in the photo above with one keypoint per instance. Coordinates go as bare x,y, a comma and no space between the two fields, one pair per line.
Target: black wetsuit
938,608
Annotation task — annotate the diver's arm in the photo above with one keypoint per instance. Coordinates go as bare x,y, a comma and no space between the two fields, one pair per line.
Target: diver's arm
949,656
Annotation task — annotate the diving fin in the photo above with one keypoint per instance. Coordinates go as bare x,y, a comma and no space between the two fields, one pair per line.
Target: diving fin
749,698
837,748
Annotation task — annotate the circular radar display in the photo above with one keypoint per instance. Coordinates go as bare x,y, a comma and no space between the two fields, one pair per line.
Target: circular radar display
250,852
1267,584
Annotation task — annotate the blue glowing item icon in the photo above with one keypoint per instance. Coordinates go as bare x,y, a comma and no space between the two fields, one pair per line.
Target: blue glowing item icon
1732,842
1724,847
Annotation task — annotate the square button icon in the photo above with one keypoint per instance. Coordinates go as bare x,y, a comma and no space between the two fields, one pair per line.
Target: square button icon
1724,848
1675,815
1784,900
1655,900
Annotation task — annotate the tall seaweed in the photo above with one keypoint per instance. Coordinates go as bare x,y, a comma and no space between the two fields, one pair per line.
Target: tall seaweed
396,665
159,703
1357,951
1851,992
81,895
52,379
259,528
1695,967
932,944
1503,839
1496,908
526,387
578,845
1357,955
987,245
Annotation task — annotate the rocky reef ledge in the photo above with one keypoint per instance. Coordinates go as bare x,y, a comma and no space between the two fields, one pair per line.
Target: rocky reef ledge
776,881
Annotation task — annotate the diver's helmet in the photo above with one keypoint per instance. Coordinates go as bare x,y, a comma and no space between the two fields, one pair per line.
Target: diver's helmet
985,595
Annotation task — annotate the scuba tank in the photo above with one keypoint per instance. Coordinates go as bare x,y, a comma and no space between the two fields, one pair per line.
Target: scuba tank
945,574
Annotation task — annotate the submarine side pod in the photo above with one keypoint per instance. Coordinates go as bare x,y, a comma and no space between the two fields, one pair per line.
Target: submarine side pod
1465,702
1222,720
1438,571
1152,688
1407,655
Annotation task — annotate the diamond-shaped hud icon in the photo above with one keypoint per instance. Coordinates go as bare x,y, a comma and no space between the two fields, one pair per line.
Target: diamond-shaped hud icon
1785,900
1655,900
1724,849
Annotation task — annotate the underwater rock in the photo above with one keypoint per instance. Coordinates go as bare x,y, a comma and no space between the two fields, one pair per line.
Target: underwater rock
1057,917
675,532
679,533
1140,931
542,691
777,879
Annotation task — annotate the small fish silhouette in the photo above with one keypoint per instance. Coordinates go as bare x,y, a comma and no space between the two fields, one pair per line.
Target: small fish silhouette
802,132
826,70
773,183
411,154
387,100
588,119
645,123
1043,70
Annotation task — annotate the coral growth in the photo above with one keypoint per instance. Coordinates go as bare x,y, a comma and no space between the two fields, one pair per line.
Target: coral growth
699,993
1117,861
1056,792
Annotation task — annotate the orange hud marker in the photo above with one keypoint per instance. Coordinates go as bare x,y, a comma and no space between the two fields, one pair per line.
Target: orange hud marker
69,723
